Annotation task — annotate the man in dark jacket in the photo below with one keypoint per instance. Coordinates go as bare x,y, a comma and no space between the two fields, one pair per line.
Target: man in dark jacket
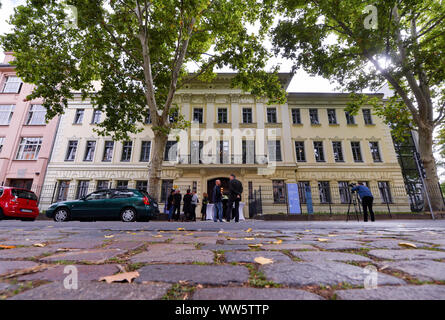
217,201
187,205
177,197
235,191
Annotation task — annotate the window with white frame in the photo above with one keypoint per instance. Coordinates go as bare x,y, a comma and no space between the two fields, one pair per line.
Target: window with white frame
29,148
78,118
6,112
145,151
271,115
89,151
108,151
71,151
96,116
375,151
36,115
274,148
12,85
127,148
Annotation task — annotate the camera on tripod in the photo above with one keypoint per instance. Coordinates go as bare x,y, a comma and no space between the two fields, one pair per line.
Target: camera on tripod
352,185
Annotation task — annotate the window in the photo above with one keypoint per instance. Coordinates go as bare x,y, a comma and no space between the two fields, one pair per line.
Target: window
71,151
2,141
196,151
89,151
145,151
222,115
271,115
62,190
78,118
247,115
332,116
349,118
325,193
248,147
198,115
313,115
338,151
122,184
102,184
367,116
224,152
279,191
126,151
356,152
304,189
142,185
148,117
166,187
375,152
12,85
296,116
171,151
108,151
318,151
82,189
274,148
385,191
299,151
36,115
99,195
96,117
6,112
343,189
29,149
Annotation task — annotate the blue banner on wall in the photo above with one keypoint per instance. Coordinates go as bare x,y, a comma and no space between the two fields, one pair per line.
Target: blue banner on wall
293,198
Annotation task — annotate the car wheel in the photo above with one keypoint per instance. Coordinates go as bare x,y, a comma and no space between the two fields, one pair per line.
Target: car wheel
128,215
62,215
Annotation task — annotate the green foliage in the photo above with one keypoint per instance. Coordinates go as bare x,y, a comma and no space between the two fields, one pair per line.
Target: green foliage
139,50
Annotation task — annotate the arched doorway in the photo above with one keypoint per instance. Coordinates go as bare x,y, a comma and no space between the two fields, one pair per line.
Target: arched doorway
211,185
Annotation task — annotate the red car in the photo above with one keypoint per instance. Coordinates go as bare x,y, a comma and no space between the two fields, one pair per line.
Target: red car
18,203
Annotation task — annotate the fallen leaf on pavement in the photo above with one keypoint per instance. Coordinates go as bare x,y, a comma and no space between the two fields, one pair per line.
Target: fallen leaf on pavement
407,245
158,236
249,230
120,277
307,230
109,236
256,245
222,231
180,229
323,240
249,238
6,247
277,242
40,245
190,234
262,260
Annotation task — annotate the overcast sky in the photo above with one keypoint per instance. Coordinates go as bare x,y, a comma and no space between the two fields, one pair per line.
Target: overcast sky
301,82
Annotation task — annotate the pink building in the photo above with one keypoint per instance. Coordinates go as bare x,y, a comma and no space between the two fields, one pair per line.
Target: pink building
26,140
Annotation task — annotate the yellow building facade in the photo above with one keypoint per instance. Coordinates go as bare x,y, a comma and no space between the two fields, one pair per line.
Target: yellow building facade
310,140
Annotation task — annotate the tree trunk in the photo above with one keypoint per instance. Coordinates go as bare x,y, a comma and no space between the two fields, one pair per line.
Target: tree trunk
429,163
155,168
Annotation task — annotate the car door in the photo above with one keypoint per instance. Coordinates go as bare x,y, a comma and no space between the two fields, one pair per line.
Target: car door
91,206
119,200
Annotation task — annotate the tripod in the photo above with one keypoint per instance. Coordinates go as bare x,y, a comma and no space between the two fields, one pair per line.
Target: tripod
355,201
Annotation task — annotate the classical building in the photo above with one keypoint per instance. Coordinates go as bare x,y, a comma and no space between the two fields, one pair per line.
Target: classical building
26,140
310,140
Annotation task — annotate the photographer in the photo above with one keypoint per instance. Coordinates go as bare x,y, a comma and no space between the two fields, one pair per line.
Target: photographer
367,199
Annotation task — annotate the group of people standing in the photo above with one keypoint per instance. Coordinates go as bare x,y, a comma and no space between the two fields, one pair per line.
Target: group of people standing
191,200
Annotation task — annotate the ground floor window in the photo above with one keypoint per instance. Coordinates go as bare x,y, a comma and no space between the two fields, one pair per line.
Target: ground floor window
142,185
385,192
166,187
279,191
122,184
82,189
303,188
102,184
62,190
324,192
343,189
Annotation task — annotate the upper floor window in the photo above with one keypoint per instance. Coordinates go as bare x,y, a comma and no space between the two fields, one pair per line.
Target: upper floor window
12,85
6,112
2,141
196,151
318,151
29,149
145,151
148,117
367,116
171,151
299,151
222,115
332,116
338,151
198,115
36,115
247,115
108,151
274,148
296,116
349,118
271,115
126,151
356,151
78,118
313,115
96,116
89,151
375,152
71,151
248,149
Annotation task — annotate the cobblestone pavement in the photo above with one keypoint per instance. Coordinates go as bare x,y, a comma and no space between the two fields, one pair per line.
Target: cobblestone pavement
256,260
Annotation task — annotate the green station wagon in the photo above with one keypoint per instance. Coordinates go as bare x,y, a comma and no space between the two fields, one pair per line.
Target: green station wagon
111,204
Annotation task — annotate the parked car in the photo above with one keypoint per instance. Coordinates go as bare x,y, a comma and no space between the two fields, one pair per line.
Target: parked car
16,203
110,204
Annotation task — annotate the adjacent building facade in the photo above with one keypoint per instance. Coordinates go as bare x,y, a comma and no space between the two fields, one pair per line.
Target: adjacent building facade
310,140
26,139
